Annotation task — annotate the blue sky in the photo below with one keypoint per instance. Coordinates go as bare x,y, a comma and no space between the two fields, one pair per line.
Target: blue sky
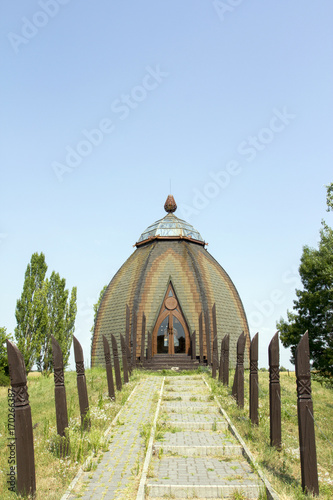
103,103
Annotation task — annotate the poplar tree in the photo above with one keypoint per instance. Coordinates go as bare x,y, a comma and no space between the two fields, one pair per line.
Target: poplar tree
30,312
44,309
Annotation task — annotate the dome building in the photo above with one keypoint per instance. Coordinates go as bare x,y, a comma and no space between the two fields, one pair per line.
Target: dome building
167,282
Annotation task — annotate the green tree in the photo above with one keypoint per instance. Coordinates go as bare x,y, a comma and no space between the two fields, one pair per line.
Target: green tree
30,310
44,309
313,308
4,369
60,320
96,307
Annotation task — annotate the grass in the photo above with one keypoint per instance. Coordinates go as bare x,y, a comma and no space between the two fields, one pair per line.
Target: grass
54,474
283,468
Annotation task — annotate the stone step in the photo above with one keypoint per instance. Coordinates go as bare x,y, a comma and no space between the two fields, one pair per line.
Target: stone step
202,443
188,406
187,396
196,477
196,421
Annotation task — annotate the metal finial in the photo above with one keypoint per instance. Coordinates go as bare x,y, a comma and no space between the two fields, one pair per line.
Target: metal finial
170,204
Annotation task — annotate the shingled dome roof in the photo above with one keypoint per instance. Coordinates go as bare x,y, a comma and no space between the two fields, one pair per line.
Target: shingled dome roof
167,284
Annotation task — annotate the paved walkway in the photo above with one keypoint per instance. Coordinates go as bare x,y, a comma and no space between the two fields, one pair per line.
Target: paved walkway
194,454
121,462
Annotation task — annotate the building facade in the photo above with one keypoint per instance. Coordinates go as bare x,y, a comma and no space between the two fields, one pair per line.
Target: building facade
167,282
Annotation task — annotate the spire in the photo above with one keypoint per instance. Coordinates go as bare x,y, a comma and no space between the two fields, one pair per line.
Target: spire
170,204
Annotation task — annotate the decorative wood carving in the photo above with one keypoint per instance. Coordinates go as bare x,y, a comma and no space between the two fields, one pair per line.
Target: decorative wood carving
194,346
124,358
116,362
60,397
134,337
201,338
81,385
128,340
24,441
143,339
254,388
208,340
274,392
108,367
238,386
306,431
215,343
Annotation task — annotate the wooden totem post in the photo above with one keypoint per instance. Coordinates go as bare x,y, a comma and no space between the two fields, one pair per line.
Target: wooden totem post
128,340
143,339
215,343
274,392
81,385
238,386
60,397
194,346
24,441
221,361
116,362
108,367
150,348
124,358
254,387
134,332
201,338
306,431
226,341
208,341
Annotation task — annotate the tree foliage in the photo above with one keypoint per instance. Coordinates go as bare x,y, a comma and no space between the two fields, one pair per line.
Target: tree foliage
96,307
4,369
313,308
44,309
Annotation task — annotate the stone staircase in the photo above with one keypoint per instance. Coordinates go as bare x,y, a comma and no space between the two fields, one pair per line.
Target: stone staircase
194,455
167,361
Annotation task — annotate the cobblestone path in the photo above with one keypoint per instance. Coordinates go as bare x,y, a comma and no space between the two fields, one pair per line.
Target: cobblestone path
194,454
121,462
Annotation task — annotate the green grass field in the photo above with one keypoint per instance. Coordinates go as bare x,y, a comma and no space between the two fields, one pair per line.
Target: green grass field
53,474
283,468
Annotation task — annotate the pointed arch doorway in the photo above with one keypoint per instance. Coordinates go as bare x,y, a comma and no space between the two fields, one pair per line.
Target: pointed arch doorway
171,333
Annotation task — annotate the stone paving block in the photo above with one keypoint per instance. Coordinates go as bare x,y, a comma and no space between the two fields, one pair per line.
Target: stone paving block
113,471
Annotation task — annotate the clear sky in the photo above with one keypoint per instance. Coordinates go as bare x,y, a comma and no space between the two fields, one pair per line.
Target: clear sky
103,103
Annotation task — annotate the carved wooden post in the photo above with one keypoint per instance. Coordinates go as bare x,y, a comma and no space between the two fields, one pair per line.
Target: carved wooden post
201,338
215,344
221,362
226,340
238,386
150,348
143,339
274,392
60,397
124,358
24,441
81,385
134,331
127,328
108,367
194,346
254,389
306,432
116,362
208,341
128,340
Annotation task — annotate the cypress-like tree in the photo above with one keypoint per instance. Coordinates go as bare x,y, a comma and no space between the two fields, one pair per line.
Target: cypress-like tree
44,309
30,310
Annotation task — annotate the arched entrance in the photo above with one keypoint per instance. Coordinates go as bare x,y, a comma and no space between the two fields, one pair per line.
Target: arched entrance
171,334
